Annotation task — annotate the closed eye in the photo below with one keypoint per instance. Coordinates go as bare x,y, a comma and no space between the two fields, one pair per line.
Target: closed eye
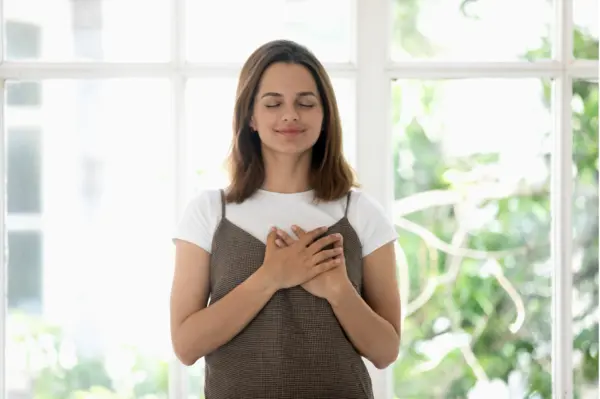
302,105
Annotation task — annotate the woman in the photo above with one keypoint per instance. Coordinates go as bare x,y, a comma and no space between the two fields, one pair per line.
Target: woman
299,267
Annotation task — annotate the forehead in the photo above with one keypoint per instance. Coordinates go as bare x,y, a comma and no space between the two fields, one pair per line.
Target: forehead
287,78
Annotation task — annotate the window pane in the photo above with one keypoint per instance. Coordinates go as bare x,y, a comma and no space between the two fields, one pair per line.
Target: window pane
472,206
23,40
237,27
470,30
585,238
24,269
106,262
585,36
87,30
24,94
210,103
24,170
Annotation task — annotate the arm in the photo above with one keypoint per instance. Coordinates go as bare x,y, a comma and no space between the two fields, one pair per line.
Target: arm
197,330
373,324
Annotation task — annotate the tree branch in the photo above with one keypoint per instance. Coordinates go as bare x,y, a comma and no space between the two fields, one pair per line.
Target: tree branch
433,241
480,192
434,282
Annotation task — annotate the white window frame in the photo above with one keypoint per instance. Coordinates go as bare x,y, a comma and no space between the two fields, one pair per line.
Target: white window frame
373,71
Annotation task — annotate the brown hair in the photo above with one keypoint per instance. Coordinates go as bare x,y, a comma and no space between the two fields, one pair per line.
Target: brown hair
330,176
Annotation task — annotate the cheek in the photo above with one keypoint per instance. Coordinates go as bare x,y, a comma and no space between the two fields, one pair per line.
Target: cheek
262,119
316,120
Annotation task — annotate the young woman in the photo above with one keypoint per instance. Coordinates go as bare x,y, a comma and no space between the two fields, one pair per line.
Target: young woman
299,266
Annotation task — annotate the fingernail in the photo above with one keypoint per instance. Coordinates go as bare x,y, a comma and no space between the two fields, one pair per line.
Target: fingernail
273,228
294,227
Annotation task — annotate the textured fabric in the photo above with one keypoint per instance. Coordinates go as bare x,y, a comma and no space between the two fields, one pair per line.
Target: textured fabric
295,346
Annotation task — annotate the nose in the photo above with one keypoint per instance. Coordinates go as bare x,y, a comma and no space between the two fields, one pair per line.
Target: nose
290,114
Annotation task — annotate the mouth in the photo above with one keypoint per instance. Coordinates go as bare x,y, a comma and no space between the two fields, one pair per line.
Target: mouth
289,132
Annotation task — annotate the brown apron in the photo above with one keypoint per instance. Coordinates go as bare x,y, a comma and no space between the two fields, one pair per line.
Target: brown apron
294,347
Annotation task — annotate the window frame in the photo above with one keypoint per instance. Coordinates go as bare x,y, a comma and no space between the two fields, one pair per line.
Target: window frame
373,70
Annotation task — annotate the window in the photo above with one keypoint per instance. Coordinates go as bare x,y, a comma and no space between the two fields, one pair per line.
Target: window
22,40
331,40
480,165
24,268
477,240
475,125
24,171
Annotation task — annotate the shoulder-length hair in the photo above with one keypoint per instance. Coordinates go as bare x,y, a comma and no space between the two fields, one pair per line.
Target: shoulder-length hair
330,176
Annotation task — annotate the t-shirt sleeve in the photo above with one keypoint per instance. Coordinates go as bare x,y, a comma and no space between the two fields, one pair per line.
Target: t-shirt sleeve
199,220
374,227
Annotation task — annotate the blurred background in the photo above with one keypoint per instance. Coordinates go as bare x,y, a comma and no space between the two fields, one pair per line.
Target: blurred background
115,113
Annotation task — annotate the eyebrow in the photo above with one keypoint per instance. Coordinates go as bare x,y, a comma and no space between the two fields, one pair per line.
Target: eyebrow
301,94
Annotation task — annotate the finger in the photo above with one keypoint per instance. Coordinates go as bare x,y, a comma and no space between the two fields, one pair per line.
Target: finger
280,243
272,236
309,237
339,243
319,257
298,231
321,243
324,267
285,237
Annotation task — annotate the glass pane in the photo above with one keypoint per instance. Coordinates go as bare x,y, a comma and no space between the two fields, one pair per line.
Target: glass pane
87,30
102,328
585,36
210,102
461,30
24,170
241,26
585,238
24,94
24,268
472,206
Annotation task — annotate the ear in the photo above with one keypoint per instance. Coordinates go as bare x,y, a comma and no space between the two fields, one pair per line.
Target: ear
252,124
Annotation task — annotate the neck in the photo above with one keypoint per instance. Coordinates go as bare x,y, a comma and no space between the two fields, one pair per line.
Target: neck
286,173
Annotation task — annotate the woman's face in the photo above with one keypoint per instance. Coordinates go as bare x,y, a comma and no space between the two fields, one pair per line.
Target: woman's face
287,114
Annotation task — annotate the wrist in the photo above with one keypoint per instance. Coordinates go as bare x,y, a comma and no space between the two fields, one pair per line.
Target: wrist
265,281
340,292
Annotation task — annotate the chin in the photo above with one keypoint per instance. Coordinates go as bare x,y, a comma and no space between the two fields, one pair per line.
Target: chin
287,149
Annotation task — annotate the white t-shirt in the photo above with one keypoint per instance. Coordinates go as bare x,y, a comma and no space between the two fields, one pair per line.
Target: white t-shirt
265,209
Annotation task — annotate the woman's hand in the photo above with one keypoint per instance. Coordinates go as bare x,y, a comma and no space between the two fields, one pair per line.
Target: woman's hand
300,261
326,284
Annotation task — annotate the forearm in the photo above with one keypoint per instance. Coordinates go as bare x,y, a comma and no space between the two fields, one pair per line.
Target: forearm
373,336
215,325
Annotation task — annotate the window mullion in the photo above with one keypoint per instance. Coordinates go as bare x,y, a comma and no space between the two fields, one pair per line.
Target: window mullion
1,45
83,70
3,243
373,94
561,200
178,374
456,70
583,69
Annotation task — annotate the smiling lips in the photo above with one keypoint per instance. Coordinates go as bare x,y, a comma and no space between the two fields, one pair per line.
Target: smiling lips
290,131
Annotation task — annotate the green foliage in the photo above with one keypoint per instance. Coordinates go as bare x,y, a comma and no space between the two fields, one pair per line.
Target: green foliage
472,313
57,370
